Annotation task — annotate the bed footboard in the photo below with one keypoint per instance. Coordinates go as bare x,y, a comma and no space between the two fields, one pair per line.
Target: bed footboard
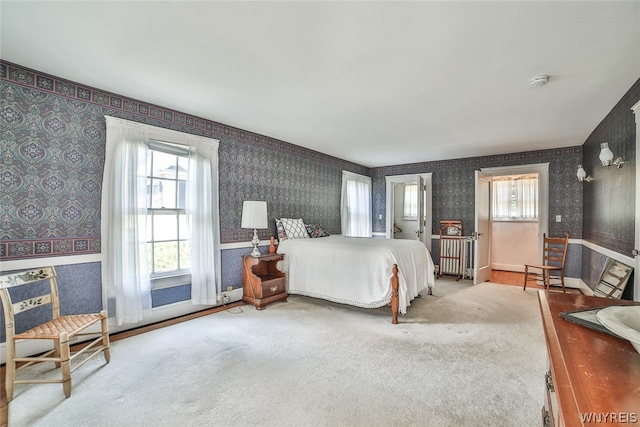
395,301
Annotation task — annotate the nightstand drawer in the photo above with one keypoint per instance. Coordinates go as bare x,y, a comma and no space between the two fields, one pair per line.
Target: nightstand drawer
273,287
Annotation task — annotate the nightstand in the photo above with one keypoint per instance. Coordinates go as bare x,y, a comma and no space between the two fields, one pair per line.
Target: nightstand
263,283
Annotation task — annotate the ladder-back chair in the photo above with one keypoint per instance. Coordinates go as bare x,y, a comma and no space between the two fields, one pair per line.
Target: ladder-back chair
552,267
60,329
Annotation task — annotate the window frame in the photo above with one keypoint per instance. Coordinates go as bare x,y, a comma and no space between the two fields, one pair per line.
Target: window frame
165,278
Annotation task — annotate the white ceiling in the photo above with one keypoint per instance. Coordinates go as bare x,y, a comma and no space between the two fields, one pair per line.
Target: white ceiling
376,83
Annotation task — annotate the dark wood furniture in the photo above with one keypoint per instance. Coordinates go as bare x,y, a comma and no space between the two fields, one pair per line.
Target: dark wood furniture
591,374
263,283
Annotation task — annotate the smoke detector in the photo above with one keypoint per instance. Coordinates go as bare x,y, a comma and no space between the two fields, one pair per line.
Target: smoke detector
539,81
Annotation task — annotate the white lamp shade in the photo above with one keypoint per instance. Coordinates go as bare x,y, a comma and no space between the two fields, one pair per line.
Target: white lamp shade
606,155
254,214
582,174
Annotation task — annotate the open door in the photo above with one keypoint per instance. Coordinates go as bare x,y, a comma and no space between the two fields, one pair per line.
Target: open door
419,229
420,222
482,235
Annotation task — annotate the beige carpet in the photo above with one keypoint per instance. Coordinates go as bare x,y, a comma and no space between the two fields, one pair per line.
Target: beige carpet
468,356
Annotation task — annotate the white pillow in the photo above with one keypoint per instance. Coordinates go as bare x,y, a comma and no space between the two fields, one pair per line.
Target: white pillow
294,228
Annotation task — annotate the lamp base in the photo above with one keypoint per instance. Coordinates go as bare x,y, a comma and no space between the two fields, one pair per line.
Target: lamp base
255,241
255,252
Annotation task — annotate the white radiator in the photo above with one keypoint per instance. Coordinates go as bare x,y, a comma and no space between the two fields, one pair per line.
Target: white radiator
456,253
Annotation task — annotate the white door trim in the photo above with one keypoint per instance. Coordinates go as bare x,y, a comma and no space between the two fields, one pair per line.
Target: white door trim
542,169
636,284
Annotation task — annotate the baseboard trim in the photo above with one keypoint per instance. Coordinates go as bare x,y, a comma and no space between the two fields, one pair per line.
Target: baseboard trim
586,289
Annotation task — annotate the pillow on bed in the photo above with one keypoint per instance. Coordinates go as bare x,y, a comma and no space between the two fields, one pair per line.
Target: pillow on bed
294,228
316,230
282,235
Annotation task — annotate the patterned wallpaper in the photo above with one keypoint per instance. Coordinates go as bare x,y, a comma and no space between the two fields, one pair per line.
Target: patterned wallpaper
609,200
52,156
454,187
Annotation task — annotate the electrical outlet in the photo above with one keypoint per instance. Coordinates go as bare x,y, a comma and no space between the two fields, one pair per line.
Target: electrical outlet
558,218
229,288
226,298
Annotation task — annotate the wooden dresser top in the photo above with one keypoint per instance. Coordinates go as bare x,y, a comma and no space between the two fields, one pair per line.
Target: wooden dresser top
593,372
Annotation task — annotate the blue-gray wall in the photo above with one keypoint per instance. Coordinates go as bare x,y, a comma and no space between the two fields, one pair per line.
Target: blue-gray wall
609,200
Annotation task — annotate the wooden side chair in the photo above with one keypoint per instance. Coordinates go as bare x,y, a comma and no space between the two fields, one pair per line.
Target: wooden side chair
552,267
60,329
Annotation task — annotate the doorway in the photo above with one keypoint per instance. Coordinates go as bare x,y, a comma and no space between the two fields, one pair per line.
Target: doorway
515,228
408,207
484,217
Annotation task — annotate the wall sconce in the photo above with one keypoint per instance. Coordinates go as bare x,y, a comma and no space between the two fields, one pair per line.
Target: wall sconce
606,156
582,175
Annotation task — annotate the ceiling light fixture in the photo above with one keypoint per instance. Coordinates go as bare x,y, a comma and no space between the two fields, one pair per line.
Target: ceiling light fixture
539,81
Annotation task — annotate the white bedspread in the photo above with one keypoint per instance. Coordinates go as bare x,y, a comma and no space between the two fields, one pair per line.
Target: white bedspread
355,270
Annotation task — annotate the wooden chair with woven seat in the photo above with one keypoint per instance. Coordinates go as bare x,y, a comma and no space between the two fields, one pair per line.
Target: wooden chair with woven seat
552,267
59,329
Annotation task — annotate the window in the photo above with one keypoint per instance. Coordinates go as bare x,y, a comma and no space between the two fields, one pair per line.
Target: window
515,197
410,205
160,216
355,205
167,227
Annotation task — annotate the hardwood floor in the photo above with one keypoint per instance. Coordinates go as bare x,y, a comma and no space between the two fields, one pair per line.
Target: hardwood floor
507,277
4,408
514,278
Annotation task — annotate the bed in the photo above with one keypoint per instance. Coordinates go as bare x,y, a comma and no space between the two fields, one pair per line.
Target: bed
363,272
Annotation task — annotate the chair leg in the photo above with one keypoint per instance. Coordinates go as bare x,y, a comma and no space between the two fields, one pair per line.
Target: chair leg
65,364
526,276
56,353
547,280
105,336
562,282
10,368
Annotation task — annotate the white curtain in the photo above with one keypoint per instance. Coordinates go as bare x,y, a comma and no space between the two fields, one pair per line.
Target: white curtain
125,276
355,205
410,205
526,198
501,199
515,198
204,222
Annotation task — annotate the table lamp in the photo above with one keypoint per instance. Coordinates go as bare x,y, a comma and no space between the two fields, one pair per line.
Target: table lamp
254,215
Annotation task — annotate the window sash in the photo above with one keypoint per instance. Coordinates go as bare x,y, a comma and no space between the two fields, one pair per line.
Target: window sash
159,207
